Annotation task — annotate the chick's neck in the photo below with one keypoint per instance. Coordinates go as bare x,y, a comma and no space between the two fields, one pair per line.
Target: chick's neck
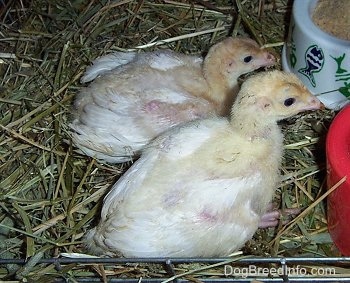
252,124
221,90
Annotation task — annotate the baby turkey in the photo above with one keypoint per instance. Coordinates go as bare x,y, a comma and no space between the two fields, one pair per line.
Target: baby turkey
200,189
136,97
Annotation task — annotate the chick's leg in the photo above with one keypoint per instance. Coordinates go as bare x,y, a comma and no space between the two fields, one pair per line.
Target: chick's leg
273,216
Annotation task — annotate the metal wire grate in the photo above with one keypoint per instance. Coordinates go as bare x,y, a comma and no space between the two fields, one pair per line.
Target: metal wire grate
289,269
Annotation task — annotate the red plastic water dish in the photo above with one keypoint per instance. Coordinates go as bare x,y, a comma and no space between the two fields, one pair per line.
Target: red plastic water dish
338,166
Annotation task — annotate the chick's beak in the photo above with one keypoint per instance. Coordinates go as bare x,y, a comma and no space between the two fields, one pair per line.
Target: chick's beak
270,59
265,59
314,104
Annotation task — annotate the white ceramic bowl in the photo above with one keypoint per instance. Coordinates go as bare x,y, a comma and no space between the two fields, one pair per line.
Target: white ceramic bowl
319,59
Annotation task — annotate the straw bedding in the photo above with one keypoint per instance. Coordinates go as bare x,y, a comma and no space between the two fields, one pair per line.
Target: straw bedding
49,194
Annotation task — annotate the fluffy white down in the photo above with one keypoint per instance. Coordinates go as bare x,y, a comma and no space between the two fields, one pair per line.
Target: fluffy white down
160,59
183,220
103,129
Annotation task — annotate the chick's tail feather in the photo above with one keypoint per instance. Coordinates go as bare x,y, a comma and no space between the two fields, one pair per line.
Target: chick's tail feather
107,63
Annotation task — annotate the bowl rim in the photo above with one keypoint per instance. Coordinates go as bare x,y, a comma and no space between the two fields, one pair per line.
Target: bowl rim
302,12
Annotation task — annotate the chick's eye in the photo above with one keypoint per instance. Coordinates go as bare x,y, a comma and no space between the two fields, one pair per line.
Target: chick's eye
289,102
247,59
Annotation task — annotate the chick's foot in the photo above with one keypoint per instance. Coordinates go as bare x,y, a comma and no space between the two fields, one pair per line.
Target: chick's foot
274,216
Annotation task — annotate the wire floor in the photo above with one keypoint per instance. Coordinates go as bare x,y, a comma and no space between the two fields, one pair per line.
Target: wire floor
206,269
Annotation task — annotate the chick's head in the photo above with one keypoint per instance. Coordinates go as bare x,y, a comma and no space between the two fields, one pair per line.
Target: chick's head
238,56
275,95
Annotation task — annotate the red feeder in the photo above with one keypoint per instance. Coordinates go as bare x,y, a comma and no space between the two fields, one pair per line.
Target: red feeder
338,166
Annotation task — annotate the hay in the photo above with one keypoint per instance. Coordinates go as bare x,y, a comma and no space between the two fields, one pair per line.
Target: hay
49,194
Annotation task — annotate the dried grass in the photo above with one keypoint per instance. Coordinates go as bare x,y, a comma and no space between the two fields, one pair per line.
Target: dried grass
50,195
